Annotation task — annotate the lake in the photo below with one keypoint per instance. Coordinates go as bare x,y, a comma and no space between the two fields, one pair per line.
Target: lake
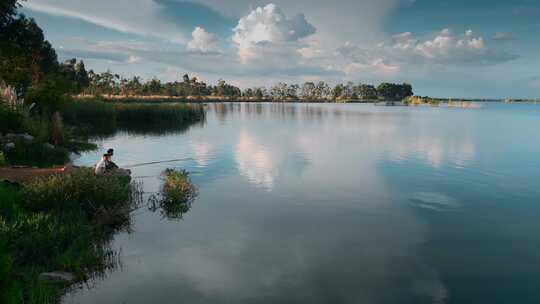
336,203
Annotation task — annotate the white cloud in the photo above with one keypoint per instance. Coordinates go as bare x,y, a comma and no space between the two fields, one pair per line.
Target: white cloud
268,28
445,48
141,17
202,41
132,59
503,36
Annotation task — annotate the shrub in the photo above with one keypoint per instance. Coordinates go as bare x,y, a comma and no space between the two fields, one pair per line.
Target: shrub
12,120
48,96
3,160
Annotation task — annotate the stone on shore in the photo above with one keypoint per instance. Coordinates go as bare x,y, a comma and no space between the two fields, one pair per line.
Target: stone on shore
57,277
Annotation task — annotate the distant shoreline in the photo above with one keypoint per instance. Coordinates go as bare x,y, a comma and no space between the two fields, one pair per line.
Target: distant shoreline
212,99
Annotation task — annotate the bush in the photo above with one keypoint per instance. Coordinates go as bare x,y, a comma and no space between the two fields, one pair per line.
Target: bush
12,120
48,96
3,160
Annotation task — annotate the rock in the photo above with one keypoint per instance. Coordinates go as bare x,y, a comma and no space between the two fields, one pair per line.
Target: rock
27,137
23,136
9,146
57,277
48,146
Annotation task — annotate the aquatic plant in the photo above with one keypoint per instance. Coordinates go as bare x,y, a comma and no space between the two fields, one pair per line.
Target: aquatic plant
93,117
418,100
176,195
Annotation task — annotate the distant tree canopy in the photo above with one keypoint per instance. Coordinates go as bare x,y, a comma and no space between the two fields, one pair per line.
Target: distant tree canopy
394,91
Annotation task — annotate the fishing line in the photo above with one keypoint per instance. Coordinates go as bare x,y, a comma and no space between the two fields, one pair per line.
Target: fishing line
159,162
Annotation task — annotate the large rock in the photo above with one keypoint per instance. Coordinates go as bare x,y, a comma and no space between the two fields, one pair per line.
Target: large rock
48,146
27,137
57,277
23,136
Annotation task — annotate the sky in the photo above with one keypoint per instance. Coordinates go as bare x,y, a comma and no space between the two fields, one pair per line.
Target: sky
444,48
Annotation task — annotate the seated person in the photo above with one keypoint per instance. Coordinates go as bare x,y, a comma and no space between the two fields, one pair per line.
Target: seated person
101,167
111,165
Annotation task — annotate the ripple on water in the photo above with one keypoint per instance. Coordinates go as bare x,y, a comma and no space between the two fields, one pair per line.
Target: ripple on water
434,201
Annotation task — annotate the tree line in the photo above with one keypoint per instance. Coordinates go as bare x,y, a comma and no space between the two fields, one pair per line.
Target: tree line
107,83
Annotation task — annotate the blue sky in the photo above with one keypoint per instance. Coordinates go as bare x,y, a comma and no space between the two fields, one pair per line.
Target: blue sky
444,48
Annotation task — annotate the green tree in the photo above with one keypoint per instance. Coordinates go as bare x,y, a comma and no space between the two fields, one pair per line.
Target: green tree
25,56
308,90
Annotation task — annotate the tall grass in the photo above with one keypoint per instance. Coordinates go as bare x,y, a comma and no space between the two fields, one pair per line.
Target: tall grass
82,192
56,224
99,118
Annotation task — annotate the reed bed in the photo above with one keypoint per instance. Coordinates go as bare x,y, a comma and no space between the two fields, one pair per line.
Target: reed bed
94,117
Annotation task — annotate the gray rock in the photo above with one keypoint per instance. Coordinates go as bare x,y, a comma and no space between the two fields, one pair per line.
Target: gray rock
9,146
48,146
57,277
27,137
23,136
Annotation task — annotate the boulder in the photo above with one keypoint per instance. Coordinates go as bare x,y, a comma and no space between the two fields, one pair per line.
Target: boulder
57,277
48,146
27,137
23,136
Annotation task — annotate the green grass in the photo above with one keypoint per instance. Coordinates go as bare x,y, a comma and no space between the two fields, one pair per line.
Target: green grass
59,224
176,195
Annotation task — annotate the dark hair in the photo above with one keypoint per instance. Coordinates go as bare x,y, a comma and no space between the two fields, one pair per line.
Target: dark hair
106,155
110,151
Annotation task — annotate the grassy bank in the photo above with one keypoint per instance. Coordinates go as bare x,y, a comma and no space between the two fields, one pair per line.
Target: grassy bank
62,223
95,117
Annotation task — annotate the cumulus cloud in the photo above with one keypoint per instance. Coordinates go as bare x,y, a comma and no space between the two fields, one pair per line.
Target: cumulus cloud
268,27
445,48
202,41
503,36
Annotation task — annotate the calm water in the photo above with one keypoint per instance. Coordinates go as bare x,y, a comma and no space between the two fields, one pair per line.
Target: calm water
338,204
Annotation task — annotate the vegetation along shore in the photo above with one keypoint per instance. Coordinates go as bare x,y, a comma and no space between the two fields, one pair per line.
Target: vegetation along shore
56,222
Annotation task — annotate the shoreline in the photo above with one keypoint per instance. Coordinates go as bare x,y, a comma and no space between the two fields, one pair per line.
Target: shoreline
223,99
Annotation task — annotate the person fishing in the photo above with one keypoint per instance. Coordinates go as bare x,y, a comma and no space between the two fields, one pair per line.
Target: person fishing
110,164
101,166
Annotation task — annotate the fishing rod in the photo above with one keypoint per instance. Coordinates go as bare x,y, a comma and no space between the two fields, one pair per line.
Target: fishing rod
158,162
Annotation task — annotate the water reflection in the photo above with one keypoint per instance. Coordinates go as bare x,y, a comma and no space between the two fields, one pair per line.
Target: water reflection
317,203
